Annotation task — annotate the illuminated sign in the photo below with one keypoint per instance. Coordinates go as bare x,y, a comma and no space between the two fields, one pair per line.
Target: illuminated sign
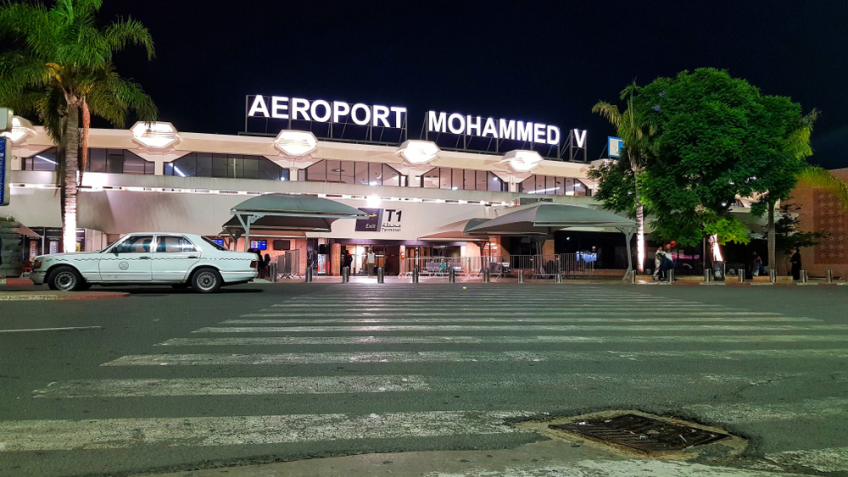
614,146
300,109
380,220
511,129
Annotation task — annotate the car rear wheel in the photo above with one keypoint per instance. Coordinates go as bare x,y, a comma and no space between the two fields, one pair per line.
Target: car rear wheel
206,280
65,279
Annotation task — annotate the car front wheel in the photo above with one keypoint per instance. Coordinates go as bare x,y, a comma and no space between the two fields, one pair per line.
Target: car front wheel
65,279
206,280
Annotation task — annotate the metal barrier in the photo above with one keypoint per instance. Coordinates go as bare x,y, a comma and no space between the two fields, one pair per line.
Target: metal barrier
441,266
380,277
345,274
288,264
548,266
741,273
829,276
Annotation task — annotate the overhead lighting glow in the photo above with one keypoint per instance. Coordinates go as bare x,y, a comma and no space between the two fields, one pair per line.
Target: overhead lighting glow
539,191
178,171
373,200
21,129
296,143
155,135
418,152
45,159
522,161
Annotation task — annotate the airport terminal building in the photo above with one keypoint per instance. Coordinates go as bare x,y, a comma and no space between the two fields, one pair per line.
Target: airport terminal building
155,178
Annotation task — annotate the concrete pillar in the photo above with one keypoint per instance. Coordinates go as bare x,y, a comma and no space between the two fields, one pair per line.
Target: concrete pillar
335,259
293,173
159,167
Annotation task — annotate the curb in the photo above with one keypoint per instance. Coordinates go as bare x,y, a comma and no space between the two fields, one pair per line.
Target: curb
16,282
15,296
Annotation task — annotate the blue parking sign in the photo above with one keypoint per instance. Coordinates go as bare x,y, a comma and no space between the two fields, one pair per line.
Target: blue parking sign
4,170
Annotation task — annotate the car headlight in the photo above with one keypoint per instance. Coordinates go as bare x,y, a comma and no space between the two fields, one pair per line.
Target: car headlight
36,264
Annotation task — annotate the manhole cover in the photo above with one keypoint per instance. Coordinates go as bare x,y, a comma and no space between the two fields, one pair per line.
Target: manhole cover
641,433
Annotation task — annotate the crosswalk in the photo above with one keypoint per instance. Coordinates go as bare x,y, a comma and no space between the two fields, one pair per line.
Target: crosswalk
366,362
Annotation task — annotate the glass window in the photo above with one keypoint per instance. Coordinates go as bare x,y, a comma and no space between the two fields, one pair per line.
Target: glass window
391,177
96,160
430,179
480,183
115,161
347,172
495,183
334,171
317,172
580,188
270,171
173,244
458,182
375,174
43,161
527,186
444,178
251,167
219,165
135,244
134,164
360,170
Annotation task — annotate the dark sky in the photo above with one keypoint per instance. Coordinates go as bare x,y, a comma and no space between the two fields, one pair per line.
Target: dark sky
537,61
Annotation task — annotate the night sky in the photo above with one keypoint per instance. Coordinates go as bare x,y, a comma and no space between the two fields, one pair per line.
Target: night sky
535,61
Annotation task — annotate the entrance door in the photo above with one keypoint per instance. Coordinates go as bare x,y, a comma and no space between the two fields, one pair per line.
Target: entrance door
128,261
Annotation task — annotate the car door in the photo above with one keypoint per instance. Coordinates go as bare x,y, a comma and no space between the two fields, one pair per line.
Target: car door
128,261
174,256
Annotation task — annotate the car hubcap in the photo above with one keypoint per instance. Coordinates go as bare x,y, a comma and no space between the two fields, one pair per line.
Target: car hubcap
206,281
66,281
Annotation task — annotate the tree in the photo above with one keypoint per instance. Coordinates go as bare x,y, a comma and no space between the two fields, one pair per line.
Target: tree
717,139
634,129
60,64
785,231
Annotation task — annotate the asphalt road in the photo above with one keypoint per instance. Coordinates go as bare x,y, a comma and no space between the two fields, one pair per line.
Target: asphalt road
170,380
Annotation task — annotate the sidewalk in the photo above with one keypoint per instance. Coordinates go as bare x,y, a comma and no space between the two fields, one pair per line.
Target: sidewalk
602,280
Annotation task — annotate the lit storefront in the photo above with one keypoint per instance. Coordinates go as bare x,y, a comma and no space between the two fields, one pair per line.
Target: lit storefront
155,178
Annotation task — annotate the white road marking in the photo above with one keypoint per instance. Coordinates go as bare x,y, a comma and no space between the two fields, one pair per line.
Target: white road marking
403,318
833,459
234,386
528,328
459,357
273,385
380,340
30,436
68,328
752,413
533,312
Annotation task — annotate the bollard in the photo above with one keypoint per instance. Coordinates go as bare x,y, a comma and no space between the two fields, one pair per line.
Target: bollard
633,277
345,274
485,275
708,276
829,276
308,275
451,275
559,277
273,270
773,276
521,276
804,276
741,273
671,275
414,274
380,277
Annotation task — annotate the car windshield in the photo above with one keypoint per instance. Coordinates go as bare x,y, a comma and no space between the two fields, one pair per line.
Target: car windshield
214,244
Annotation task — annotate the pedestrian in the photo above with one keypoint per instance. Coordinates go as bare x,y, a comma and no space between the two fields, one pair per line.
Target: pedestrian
348,260
370,261
658,260
757,268
795,260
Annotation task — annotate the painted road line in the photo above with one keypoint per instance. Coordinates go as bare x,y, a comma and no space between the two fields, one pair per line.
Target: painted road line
68,328
832,459
404,318
233,386
528,328
542,312
89,434
785,411
383,340
379,384
462,357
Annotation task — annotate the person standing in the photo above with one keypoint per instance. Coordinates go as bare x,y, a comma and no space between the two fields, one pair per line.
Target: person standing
795,260
348,259
370,261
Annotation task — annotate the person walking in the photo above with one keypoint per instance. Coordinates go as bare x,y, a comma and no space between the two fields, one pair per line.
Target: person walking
658,260
370,261
348,260
757,268
795,260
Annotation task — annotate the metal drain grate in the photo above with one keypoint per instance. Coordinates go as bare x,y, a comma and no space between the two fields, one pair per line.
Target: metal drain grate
641,433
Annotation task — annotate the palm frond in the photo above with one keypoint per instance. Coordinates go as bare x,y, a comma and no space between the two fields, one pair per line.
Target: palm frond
609,111
129,32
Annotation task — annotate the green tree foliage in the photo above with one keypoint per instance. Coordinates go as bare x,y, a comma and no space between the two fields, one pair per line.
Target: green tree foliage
717,139
60,63
786,233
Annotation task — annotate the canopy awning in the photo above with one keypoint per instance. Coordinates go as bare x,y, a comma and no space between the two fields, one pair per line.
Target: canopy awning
457,232
292,213
543,218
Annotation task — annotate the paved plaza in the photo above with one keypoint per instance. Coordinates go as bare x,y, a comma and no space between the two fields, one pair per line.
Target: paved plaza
166,380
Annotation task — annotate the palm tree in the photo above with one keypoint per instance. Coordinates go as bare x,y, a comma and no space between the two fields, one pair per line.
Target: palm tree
634,129
60,65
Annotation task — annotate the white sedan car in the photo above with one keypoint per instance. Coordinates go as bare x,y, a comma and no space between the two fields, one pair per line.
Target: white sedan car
147,258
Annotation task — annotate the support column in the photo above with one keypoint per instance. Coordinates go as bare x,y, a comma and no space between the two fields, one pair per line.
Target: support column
293,174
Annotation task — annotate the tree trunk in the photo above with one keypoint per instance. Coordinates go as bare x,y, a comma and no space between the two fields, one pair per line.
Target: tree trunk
86,125
640,218
772,240
70,187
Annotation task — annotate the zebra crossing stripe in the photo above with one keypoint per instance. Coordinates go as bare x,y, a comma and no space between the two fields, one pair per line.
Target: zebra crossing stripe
233,386
382,340
403,318
785,411
406,328
60,435
535,312
461,357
